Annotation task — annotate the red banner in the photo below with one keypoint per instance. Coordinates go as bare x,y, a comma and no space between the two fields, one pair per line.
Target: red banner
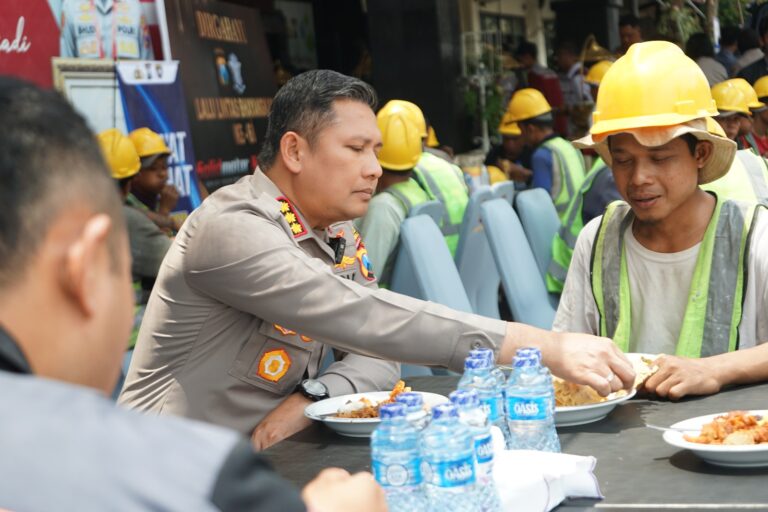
29,37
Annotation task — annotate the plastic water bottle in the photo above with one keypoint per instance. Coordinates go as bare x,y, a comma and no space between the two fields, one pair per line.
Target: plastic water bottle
530,406
488,355
448,450
472,416
478,376
397,460
415,413
536,354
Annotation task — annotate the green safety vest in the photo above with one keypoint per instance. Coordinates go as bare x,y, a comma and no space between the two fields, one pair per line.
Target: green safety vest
713,313
444,182
565,239
569,164
746,180
409,193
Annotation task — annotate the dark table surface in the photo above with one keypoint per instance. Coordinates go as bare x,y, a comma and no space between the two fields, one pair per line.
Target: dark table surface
636,469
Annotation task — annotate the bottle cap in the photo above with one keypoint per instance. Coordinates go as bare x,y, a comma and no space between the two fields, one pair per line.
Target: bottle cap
393,410
524,361
465,398
486,353
410,399
444,411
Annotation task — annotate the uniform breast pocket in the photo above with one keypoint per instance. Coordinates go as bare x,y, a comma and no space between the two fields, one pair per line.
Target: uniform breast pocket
272,362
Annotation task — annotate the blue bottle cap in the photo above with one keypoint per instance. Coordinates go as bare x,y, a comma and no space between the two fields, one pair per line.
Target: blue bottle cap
410,399
465,398
475,363
529,352
486,353
444,411
393,410
524,361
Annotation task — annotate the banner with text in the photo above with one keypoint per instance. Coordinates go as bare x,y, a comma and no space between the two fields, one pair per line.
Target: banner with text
152,97
227,75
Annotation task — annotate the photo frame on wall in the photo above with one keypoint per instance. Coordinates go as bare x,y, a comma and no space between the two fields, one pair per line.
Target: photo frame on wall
91,86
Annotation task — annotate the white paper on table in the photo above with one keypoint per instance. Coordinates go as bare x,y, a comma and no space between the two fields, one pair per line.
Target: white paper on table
529,480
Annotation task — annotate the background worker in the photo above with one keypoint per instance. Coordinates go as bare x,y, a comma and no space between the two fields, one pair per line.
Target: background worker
150,191
268,274
760,118
396,192
629,33
442,180
64,252
507,155
545,80
596,192
732,105
556,165
700,49
746,139
664,272
729,48
753,61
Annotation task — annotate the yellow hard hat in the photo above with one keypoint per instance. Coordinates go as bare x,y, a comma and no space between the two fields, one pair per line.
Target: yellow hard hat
761,87
148,143
730,98
597,72
527,104
432,141
119,154
401,141
414,113
636,91
508,127
714,127
749,93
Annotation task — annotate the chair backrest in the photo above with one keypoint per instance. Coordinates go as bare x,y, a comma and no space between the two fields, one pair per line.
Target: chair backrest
504,190
523,286
540,223
424,269
474,260
434,209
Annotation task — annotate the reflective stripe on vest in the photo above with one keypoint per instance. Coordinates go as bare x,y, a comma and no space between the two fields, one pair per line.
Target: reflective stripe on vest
713,313
565,239
570,166
409,193
746,180
444,182
755,166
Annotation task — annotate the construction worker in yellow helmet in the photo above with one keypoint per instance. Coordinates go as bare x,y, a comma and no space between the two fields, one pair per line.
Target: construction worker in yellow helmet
556,166
396,193
148,243
672,269
747,134
732,105
151,191
502,162
596,192
442,180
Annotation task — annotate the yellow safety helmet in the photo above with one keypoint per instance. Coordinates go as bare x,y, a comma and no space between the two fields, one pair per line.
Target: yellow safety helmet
597,72
752,102
638,96
432,141
730,98
119,154
507,127
414,113
148,143
527,104
714,127
401,141
761,87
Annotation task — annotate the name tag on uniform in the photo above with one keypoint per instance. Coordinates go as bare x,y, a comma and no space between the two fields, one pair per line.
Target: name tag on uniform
88,47
127,47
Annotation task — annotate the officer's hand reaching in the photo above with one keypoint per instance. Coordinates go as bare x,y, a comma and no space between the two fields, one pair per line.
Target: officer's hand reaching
285,420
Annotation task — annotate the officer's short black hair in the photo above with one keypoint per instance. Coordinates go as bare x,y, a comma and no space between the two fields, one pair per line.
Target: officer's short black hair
629,20
305,105
49,161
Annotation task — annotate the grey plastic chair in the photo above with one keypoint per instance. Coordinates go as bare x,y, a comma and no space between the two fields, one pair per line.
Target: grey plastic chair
474,260
434,209
424,269
525,289
540,223
504,190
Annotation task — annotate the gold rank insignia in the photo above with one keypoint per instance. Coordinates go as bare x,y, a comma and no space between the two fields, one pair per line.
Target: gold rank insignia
291,217
274,365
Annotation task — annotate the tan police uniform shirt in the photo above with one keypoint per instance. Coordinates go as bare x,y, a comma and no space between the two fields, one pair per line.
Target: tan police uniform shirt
248,301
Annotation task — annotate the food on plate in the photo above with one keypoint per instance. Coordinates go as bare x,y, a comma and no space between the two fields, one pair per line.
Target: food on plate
733,428
643,366
568,394
365,408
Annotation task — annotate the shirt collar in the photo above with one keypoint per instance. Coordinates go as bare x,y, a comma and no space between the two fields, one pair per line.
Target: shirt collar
11,357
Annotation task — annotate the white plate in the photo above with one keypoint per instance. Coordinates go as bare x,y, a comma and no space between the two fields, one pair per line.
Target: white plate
354,427
582,414
744,456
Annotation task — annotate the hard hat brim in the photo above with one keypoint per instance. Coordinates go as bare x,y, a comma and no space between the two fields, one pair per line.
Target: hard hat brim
717,166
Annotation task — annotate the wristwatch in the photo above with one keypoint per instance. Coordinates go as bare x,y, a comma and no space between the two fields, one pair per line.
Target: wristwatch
313,389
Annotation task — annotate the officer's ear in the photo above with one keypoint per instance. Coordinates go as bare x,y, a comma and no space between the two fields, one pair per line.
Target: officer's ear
292,148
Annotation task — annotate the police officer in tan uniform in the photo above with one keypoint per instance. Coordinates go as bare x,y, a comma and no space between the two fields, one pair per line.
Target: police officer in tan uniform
269,274
104,29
